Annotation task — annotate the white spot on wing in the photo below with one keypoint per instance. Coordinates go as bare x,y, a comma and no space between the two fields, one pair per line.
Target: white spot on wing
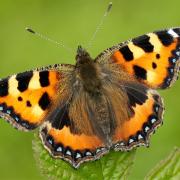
174,34
59,149
98,150
153,120
16,118
78,155
140,136
157,109
173,60
147,129
8,112
178,53
131,141
116,145
50,141
68,152
122,144
88,153
103,149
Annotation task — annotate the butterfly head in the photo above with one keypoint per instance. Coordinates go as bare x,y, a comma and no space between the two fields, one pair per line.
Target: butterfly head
82,56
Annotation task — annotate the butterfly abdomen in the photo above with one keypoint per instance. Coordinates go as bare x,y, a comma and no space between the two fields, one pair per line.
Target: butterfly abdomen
103,120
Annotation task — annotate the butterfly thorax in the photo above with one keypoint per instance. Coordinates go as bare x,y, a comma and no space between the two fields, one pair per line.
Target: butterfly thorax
87,71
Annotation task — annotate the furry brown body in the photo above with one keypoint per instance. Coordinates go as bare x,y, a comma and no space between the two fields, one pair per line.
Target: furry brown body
98,95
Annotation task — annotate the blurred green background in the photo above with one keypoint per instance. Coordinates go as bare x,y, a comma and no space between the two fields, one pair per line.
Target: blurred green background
73,22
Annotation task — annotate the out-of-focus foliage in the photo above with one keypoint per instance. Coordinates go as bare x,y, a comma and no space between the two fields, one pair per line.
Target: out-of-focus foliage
169,168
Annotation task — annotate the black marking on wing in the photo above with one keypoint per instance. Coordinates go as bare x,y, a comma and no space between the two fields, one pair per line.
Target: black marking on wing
177,30
44,78
3,87
154,65
143,42
165,38
60,118
158,56
23,80
28,104
44,101
137,94
20,98
140,72
126,52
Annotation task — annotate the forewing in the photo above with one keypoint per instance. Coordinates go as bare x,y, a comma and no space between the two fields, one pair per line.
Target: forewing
27,98
153,58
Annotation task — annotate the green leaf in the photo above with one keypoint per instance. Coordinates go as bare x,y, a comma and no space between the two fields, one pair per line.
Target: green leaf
168,168
115,165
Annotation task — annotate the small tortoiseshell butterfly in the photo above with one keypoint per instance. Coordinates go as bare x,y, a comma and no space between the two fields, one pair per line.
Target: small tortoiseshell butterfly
109,102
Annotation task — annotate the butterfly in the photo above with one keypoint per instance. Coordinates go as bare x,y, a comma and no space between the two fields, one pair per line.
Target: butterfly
108,103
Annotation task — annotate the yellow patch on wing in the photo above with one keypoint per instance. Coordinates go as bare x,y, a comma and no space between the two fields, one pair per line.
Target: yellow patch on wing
151,76
37,111
34,82
13,85
154,40
137,51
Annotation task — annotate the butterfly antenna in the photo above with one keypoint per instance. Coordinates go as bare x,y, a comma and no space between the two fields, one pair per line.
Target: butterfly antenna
100,24
59,44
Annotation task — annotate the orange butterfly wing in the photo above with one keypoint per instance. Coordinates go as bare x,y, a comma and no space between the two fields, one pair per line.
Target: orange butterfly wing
152,58
26,98
67,137
75,148
148,113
